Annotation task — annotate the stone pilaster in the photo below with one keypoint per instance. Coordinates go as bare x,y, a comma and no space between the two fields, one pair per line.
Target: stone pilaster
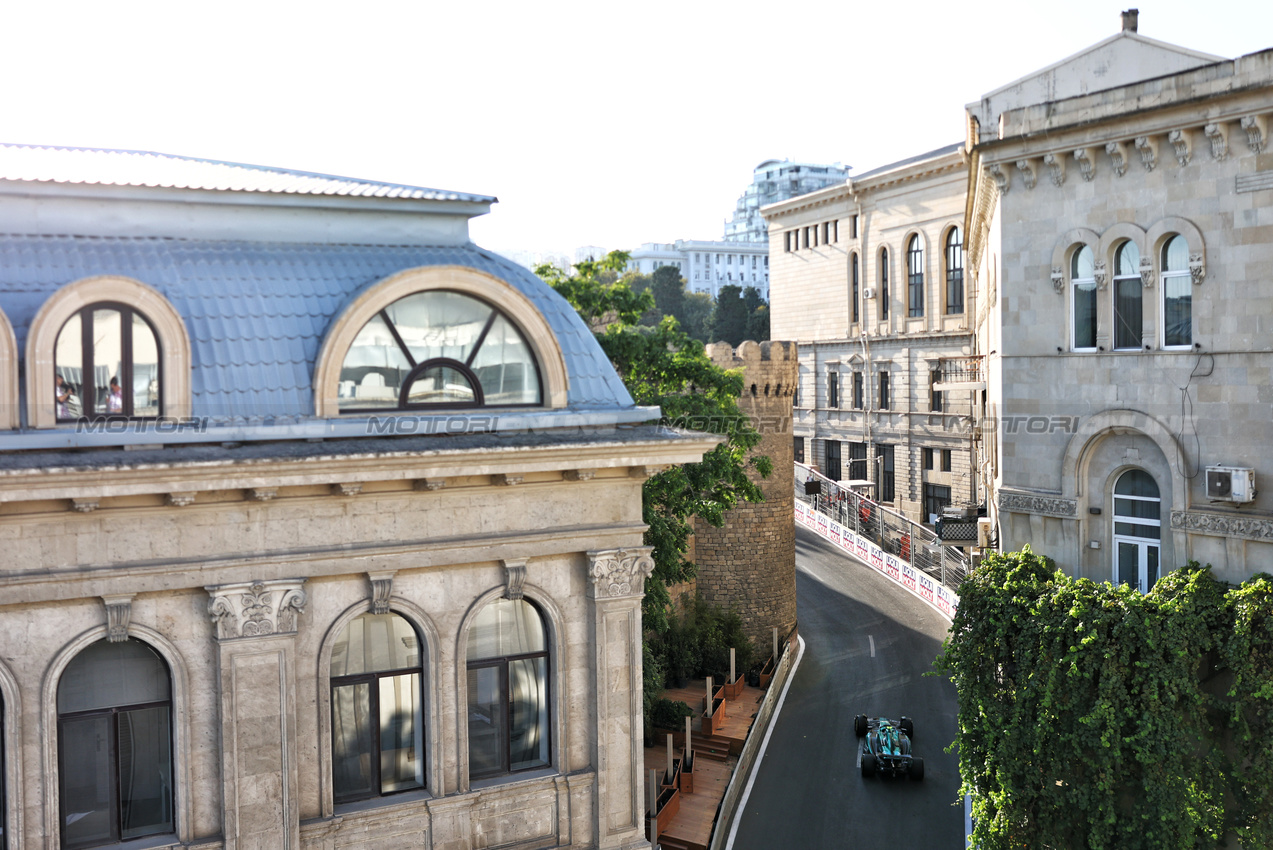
255,626
616,587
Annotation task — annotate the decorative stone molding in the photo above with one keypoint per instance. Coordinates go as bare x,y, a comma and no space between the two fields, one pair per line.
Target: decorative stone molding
514,578
1028,177
1223,525
1148,147
1257,132
180,500
430,483
1219,136
620,572
347,488
1147,272
262,494
1086,158
1020,503
1197,268
505,479
1117,157
257,608
85,506
645,471
1182,144
381,590
1098,273
119,612
1001,177
1057,166
579,474
1058,279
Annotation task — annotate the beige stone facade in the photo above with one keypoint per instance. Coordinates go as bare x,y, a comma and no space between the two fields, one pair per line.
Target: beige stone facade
1123,242
867,277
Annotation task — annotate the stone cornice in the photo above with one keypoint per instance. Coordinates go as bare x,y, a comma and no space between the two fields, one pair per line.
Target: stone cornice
1032,503
955,162
1224,525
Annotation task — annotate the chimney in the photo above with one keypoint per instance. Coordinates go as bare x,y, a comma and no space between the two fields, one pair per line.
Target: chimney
1129,20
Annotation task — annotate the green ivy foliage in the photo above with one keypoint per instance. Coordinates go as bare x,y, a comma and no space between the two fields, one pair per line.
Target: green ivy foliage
1091,716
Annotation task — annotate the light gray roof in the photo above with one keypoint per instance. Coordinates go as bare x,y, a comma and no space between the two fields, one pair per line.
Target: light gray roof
257,312
933,154
143,168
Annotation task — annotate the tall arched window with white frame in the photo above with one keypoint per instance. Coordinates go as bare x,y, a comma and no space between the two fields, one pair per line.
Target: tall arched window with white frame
1129,310
915,278
954,272
1137,529
1083,300
853,264
884,293
1177,294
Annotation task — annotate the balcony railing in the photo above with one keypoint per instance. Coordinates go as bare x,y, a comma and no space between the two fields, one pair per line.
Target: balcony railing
961,373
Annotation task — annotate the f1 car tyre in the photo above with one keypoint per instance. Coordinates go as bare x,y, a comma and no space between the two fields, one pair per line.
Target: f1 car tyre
868,764
916,768
908,726
859,725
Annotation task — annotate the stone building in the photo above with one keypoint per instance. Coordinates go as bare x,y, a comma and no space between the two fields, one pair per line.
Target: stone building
1119,231
749,563
322,525
868,278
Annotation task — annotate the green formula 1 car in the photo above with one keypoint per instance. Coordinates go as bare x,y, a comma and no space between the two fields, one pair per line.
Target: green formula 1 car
886,747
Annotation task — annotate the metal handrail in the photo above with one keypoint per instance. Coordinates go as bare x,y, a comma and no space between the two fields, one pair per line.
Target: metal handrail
911,542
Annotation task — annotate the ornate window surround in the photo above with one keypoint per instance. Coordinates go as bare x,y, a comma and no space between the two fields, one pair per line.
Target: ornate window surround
174,342
555,383
916,241
11,698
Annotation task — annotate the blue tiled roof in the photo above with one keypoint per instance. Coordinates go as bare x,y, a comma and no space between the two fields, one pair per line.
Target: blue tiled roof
256,312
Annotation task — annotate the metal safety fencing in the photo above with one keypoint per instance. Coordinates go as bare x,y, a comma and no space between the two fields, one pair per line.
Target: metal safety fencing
914,544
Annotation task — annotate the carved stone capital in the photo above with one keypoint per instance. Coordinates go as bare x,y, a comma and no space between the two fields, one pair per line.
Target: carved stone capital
1197,269
180,500
1086,158
1223,525
1148,147
617,573
85,506
1117,157
1257,132
1219,135
347,488
1147,272
1001,177
262,494
1056,165
1058,279
430,483
119,612
1098,273
1182,143
504,479
256,608
1022,503
381,590
579,474
1028,177
514,578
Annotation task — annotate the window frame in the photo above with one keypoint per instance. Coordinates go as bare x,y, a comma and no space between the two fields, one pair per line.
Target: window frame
125,377
884,293
1074,283
855,288
1117,278
1172,275
833,389
885,399
934,497
915,278
946,460
859,394
884,453
954,255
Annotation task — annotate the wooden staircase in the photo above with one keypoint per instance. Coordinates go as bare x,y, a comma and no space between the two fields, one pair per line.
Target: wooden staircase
712,747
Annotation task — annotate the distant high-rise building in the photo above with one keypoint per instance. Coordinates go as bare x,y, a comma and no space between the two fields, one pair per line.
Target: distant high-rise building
772,181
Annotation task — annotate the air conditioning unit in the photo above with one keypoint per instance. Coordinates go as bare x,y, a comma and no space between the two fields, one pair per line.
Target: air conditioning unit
1230,484
868,293
983,533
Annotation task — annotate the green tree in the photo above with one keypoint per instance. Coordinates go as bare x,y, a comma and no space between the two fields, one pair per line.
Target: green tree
729,319
757,314
664,366
696,312
669,291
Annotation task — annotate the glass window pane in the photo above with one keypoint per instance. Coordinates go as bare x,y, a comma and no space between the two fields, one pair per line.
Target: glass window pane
1177,310
1149,532
1083,264
145,772
1137,508
439,324
1085,315
351,741
1128,564
1151,566
69,367
505,368
401,734
486,721
145,369
1128,312
108,357
106,674
441,385
374,368
1175,255
1136,482
84,748
506,627
528,713
373,643
1128,259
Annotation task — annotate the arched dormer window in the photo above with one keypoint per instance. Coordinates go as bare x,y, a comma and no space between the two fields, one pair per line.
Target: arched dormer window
438,349
1083,300
954,272
915,278
1129,309
1177,294
106,363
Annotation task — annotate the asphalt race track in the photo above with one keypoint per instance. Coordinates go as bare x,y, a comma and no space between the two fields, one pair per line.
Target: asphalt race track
868,644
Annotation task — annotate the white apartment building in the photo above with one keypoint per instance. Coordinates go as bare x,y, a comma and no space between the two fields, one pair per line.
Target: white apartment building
706,265
773,181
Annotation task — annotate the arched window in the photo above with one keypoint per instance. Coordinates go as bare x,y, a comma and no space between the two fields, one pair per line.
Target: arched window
1128,304
114,707
1137,529
884,293
856,295
508,699
1083,288
106,363
915,278
377,717
1177,294
438,349
954,272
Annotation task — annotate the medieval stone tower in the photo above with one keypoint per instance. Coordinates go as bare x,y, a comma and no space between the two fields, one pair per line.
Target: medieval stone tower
749,564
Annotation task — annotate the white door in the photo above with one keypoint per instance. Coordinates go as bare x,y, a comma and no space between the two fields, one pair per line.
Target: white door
1137,529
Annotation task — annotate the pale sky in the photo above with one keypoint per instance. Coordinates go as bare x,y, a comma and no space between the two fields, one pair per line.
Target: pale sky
594,123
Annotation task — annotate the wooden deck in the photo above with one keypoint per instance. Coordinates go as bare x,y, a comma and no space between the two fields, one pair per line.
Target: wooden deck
692,826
